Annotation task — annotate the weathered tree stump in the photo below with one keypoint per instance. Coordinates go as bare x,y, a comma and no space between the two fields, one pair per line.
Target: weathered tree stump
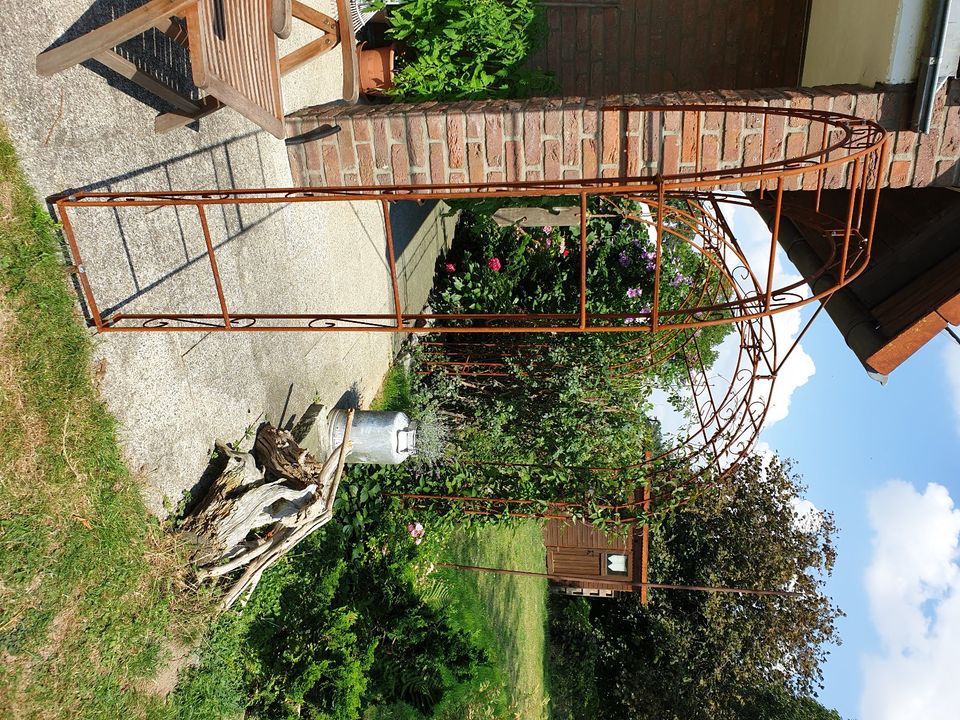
262,504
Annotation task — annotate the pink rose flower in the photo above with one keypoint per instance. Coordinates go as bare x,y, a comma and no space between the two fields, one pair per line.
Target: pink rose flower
450,268
416,532
548,229
494,264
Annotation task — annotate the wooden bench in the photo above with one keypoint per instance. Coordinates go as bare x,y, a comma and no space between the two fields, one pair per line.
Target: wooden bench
233,54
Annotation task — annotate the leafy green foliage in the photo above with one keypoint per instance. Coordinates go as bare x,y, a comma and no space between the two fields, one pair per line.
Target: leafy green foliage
775,702
339,625
572,660
304,651
699,655
562,403
466,49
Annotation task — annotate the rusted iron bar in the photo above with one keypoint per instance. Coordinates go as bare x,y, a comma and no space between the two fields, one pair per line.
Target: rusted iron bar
213,265
392,258
777,209
661,209
848,227
583,261
632,585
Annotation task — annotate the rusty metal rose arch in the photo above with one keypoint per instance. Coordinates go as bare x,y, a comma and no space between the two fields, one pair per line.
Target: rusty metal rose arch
736,284
728,401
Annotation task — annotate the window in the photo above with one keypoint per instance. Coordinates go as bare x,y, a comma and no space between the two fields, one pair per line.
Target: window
616,564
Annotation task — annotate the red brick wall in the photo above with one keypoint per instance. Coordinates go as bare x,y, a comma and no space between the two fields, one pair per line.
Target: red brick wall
560,138
604,47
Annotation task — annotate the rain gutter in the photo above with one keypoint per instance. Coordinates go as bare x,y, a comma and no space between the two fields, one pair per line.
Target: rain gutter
929,81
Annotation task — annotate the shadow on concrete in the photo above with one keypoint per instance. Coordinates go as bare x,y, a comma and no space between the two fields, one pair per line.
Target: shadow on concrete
407,217
152,52
408,220
220,165
351,398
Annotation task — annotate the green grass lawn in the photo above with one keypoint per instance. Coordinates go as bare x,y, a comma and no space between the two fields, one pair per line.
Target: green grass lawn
90,587
510,611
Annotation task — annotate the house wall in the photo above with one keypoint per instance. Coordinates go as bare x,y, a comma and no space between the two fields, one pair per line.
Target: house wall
568,138
864,41
602,47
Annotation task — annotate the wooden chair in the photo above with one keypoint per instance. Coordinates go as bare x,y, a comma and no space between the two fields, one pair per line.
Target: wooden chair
233,54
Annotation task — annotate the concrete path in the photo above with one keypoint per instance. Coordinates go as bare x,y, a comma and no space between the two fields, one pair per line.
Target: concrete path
174,394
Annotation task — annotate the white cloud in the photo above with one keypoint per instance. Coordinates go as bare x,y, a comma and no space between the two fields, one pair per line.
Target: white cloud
951,364
764,450
754,237
806,515
913,588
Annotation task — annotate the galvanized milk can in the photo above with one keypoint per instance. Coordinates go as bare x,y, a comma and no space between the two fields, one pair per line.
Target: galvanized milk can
385,438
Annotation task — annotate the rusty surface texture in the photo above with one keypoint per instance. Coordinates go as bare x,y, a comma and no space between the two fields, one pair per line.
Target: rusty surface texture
693,199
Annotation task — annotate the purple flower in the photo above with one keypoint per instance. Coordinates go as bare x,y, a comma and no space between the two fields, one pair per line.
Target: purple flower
629,320
651,266
678,280
649,256
624,259
634,292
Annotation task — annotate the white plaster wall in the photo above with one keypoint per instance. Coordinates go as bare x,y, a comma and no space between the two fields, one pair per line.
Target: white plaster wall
864,41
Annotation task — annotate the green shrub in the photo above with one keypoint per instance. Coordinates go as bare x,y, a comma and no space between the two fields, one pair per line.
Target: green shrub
572,659
466,49
304,655
337,628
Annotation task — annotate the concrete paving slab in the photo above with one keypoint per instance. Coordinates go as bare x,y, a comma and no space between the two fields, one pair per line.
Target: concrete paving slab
174,394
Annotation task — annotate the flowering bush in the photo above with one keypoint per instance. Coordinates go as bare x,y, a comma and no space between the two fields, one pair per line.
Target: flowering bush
528,270
416,532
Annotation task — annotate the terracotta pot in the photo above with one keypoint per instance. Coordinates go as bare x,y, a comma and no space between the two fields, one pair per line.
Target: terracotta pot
376,68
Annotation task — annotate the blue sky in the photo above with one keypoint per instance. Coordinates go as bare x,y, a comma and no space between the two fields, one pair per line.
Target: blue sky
884,461
853,439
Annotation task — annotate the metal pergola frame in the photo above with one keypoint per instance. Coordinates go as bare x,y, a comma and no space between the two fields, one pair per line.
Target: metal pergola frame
727,422
848,144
